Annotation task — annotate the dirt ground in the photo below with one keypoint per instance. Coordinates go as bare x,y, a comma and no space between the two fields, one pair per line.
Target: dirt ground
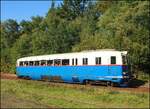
8,76
142,88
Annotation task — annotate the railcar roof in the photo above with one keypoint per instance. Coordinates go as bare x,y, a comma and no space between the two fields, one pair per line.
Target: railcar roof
110,51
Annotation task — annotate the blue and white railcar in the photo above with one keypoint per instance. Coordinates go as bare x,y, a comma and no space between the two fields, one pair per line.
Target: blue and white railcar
82,67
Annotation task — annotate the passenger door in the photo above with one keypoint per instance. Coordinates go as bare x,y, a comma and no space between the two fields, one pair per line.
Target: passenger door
112,68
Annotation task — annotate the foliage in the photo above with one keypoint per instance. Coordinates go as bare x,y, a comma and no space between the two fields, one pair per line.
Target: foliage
79,25
126,24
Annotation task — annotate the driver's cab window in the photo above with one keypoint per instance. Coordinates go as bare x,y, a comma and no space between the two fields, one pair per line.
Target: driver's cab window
124,60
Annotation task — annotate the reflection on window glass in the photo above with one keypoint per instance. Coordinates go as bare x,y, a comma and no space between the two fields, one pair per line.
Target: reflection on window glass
57,62
65,62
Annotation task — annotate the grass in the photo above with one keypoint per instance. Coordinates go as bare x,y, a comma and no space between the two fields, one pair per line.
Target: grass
143,76
33,94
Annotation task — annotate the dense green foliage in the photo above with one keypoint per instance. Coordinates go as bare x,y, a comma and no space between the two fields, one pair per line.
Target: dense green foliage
35,94
80,25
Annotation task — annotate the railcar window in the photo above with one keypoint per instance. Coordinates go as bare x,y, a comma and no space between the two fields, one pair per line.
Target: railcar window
124,60
26,63
36,63
65,62
72,61
76,61
113,59
57,62
50,62
20,63
85,61
98,60
43,62
31,63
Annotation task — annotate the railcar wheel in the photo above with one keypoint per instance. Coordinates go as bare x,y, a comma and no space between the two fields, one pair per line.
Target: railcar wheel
20,77
112,84
108,83
26,77
87,82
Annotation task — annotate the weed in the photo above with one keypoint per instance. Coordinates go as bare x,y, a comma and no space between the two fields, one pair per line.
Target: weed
113,92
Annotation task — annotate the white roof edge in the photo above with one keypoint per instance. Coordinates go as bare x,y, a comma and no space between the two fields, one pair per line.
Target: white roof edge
99,50
124,52
106,50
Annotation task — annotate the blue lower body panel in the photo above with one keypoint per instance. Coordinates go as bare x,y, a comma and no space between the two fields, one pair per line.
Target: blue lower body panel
73,73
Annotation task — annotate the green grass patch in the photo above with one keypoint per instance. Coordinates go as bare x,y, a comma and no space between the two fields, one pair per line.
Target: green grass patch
143,76
26,93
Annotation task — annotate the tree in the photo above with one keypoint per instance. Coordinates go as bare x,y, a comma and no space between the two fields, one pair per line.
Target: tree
127,24
26,27
9,34
10,31
73,8
21,48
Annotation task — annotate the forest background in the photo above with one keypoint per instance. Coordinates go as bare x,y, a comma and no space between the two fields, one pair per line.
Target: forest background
78,25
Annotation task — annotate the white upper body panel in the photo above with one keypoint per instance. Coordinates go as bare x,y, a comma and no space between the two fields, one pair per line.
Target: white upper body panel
91,55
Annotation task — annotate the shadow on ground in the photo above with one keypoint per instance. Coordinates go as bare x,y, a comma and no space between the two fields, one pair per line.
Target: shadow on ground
136,83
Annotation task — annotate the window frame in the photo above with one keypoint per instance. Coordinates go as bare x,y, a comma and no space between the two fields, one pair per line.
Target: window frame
84,61
124,60
35,63
76,61
43,62
64,64
55,62
111,61
51,62
26,63
22,63
98,60
73,61
31,62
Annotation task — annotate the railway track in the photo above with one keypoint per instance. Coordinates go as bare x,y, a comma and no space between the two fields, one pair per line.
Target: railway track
129,89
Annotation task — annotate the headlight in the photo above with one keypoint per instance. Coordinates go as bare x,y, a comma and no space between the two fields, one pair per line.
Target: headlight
125,76
124,73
